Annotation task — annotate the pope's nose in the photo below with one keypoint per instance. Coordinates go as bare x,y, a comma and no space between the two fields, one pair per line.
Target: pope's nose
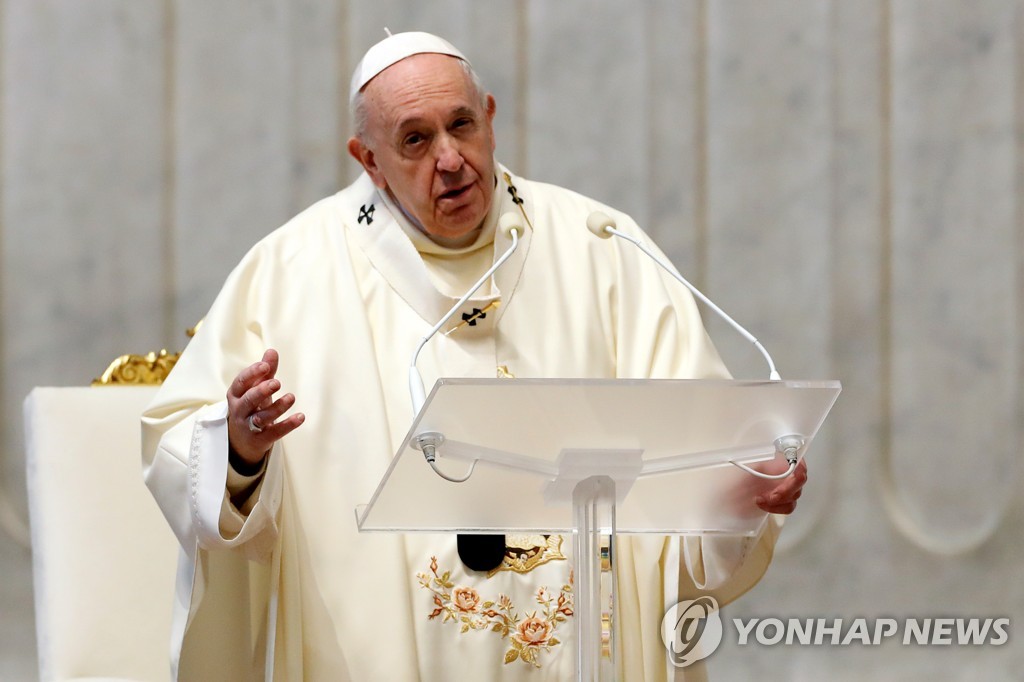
449,159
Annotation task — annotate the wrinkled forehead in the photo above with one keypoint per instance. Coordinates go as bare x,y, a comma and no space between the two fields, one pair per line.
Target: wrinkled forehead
394,49
421,89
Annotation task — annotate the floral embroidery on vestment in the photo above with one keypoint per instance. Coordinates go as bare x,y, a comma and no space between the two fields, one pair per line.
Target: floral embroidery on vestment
528,636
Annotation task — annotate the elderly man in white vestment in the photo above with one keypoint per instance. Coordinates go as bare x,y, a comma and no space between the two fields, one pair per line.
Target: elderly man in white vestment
274,579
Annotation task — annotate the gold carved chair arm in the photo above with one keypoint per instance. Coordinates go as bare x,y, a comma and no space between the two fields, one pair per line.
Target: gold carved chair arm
135,370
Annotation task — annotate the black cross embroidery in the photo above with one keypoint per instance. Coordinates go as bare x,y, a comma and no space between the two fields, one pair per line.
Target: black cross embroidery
366,213
516,199
471,318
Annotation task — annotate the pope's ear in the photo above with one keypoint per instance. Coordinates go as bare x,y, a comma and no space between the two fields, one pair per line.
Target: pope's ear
366,158
492,107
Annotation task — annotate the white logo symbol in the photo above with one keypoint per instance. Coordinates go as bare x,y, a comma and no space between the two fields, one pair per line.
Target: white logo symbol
691,630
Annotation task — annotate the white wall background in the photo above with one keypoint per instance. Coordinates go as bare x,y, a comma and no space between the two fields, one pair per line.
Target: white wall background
842,176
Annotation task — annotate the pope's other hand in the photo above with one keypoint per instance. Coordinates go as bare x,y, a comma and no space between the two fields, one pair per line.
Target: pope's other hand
782,498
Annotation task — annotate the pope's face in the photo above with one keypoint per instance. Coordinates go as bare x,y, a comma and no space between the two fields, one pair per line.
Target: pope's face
429,140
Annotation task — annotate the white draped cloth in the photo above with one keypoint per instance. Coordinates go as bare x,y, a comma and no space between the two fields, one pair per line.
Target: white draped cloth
274,579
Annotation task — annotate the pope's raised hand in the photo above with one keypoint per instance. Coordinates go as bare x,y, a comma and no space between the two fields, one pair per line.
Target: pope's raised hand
253,412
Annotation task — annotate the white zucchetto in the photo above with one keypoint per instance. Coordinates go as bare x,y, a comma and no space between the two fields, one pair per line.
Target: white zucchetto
394,49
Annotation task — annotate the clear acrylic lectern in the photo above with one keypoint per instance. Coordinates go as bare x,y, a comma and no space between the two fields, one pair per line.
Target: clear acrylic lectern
595,457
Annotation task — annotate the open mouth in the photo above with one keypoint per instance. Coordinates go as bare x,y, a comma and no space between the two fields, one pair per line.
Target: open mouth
455,193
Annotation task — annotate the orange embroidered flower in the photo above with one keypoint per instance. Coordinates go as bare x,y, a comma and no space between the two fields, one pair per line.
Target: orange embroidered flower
534,631
564,605
466,599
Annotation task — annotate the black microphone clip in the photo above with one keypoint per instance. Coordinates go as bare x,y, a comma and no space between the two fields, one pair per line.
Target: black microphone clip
481,552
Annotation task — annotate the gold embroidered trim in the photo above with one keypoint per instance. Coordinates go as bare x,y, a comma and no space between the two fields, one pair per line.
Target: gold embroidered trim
528,636
516,199
523,553
478,314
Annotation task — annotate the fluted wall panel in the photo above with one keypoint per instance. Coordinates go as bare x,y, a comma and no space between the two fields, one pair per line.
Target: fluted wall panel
588,100
234,139
82,185
954,289
770,138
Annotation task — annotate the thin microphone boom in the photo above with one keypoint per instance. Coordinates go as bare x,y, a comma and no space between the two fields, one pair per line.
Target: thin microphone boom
509,224
604,226
478,552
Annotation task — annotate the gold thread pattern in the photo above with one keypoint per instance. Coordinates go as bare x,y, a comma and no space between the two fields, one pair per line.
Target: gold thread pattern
516,199
523,553
478,314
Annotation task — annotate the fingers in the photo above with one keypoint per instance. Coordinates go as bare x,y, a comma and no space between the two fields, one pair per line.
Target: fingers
794,482
251,396
776,504
254,373
271,358
782,499
279,430
247,378
259,397
268,414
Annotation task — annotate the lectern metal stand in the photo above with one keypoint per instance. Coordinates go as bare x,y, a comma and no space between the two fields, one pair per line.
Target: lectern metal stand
596,457
593,501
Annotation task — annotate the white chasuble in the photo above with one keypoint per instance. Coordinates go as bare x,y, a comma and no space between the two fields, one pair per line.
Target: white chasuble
274,579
